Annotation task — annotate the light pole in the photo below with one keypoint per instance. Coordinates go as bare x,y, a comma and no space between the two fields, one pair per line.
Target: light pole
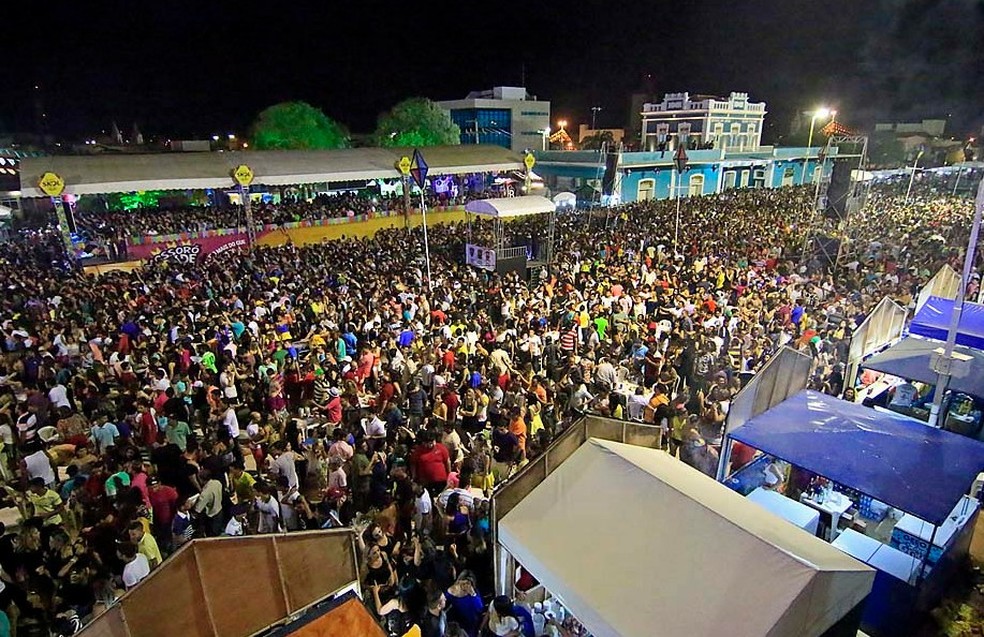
912,177
943,365
680,165
594,113
820,113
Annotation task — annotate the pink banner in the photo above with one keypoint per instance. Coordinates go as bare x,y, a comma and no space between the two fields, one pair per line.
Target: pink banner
189,250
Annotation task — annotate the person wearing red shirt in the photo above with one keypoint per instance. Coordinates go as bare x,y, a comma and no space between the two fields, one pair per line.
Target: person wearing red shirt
430,463
163,500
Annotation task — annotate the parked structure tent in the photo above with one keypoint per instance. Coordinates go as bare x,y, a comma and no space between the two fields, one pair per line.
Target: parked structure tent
883,325
681,539
87,175
933,321
890,457
510,206
911,358
944,285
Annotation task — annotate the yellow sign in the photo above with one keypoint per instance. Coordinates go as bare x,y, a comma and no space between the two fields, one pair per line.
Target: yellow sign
243,175
529,160
404,165
413,632
51,184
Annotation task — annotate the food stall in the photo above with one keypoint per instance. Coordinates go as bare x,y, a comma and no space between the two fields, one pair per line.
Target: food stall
634,543
890,491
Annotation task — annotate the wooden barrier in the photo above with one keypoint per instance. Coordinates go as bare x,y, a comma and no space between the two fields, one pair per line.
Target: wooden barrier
233,587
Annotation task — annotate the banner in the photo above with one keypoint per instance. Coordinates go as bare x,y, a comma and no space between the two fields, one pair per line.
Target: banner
480,256
188,250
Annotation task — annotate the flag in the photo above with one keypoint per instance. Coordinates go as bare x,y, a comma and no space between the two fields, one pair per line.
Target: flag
418,169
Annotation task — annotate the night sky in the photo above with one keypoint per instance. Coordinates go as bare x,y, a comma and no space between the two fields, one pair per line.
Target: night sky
197,68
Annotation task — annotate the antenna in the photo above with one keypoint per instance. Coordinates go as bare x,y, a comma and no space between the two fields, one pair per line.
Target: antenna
522,74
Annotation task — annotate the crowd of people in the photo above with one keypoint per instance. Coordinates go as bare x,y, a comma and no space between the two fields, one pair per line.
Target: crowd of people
172,219
284,388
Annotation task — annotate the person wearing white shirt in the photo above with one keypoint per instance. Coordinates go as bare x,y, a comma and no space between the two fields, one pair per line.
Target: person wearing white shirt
58,395
137,567
231,422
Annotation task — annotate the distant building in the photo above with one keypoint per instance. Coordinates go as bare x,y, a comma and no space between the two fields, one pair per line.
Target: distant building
703,121
584,131
927,127
506,116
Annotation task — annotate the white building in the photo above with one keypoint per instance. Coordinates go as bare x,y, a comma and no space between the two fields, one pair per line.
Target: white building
506,116
704,121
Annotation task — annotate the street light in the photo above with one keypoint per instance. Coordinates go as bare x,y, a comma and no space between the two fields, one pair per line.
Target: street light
562,123
820,113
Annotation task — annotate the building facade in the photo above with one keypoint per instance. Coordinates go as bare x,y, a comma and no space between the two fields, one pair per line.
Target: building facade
641,176
506,116
702,122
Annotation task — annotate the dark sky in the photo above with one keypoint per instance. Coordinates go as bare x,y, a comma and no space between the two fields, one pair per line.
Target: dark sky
204,67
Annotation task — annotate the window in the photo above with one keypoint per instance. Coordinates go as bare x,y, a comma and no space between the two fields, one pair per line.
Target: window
743,181
729,179
758,178
696,186
788,173
646,190
817,174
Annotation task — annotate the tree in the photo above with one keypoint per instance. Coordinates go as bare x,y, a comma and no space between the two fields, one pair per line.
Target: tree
594,142
416,122
297,126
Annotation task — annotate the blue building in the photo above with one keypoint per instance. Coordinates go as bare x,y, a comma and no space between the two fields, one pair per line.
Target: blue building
639,176
506,116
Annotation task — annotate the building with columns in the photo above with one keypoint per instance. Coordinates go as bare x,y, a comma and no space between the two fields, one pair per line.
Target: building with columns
702,122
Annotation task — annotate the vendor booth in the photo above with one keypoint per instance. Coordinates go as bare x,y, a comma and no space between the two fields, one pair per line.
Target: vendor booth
889,489
911,360
933,321
634,543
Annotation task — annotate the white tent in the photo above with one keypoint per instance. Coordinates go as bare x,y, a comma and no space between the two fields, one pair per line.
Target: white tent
637,544
565,199
510,206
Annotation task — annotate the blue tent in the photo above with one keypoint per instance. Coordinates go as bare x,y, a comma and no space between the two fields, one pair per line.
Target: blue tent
912,356
892,458
933,321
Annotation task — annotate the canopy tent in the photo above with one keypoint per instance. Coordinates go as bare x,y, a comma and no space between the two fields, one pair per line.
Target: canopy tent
628,538
892,458
911,358
86,175
933,321
510,207
565,199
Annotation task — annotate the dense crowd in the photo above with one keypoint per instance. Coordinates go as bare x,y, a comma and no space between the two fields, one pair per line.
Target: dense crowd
288,388
160,220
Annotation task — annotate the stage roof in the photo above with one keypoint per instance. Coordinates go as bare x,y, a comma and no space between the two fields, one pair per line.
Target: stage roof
892,458
511,206
628,537
911,357
100,174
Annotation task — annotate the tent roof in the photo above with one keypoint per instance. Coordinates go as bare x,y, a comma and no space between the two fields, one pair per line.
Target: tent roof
180,171
910,358
892,458
511,206
628,538
933,321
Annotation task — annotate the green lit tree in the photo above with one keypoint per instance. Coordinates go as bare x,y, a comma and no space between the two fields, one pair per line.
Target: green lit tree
297,126
416,122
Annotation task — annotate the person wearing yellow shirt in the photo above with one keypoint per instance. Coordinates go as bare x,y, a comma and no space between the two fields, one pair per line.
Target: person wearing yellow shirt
47,503
145,542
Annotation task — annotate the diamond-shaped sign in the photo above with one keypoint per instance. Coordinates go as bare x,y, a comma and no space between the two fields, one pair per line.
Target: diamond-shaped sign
51,184
243,175
680,159
403,165
418,169
530,161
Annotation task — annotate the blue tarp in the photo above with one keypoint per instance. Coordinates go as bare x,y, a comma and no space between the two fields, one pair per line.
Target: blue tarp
910,358
933,321
892,458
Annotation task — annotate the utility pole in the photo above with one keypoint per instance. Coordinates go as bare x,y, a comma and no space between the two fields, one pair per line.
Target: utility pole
943,365
594,113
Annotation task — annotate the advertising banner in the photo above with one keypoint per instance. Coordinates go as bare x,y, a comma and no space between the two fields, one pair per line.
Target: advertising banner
188,250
